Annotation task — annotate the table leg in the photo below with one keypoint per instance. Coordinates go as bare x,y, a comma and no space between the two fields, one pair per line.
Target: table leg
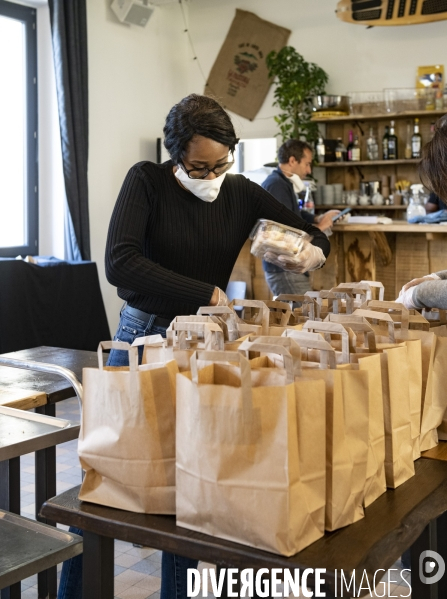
98,567
441,534
426,541
10,501
45,481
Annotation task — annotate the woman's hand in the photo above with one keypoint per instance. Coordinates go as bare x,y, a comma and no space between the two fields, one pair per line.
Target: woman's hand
311,257
414,282
219,298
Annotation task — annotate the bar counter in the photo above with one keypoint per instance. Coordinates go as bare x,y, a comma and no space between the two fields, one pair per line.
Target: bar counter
398,226
393,254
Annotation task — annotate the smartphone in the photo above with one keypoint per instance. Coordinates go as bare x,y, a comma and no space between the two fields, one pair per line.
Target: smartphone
342,213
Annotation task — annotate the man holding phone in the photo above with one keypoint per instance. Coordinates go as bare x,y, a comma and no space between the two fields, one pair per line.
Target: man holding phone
284,183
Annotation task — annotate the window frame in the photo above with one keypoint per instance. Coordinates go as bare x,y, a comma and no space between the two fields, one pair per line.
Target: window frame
28,16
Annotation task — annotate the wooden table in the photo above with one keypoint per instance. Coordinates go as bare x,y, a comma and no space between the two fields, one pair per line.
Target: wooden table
437,453
396,521
54,387
21,399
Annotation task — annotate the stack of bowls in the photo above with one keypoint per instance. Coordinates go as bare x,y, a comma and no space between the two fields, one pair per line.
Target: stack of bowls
338,193
328,195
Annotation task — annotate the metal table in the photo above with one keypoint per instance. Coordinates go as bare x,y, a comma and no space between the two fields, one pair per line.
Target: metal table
24,432
28,547
399,519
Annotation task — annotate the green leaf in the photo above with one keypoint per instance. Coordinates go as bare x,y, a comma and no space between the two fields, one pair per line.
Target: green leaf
295,81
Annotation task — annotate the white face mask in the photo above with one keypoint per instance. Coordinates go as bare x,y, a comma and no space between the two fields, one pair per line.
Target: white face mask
205,189
297,183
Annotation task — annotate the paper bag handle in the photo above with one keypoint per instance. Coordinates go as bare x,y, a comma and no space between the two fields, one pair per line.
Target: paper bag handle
378,286
213,334
314,341
273,340
263,316
383,316
395,307
122,345
291,356
280,308
228,356
151,340
328,329
357,324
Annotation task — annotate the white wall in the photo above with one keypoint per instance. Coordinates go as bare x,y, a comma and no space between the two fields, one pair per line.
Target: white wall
135,76
356,58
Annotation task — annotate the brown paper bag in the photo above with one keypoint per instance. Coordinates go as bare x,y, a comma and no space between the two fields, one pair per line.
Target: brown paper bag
254,487
375,470
399,465
435,403
347,398
239,77
127,438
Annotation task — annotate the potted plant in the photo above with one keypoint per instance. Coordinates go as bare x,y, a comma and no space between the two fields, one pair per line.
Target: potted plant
296,82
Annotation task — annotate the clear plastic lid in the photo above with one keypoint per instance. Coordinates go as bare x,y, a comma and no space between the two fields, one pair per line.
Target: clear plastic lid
264,224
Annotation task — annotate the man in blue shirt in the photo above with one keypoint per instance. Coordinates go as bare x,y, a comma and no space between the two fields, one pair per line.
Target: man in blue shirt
284,183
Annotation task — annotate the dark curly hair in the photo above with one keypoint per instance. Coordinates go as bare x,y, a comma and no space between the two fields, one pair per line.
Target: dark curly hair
197,115
433,165
292,147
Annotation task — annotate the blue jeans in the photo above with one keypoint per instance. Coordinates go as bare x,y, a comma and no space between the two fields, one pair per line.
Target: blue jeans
290,283
173,567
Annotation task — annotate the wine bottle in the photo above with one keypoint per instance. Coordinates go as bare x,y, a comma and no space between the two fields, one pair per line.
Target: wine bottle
350,145
416,141
340,151
392,144
356,154
385,139
372,148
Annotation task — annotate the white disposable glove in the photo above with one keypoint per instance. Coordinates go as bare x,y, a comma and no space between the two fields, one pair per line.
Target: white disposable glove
406,297
432,277
223,299
311,257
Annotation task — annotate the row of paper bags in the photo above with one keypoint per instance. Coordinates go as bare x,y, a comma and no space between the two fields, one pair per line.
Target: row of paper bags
269,445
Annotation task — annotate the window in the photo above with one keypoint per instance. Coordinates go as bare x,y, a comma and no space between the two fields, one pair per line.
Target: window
18,127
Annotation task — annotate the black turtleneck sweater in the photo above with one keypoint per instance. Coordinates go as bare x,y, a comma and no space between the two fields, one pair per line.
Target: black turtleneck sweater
167,250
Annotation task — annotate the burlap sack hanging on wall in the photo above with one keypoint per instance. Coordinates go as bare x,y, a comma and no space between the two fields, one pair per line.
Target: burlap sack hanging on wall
239,77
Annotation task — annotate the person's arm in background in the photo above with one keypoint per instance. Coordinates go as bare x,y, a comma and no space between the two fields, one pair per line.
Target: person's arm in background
426,292
433,204
276,187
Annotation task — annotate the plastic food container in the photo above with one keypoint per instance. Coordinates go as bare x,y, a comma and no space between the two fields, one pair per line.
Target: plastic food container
268,236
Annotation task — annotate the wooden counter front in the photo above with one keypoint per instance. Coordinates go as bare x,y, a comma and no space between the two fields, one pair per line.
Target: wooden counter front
393,254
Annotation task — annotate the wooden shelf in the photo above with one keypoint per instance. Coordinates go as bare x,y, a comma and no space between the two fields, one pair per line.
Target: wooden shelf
343,206
396,226
386,115
368,163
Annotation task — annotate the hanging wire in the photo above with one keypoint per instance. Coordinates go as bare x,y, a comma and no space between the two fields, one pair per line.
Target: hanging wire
191,43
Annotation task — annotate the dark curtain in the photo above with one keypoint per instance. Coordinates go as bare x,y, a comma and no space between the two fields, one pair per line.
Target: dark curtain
69,35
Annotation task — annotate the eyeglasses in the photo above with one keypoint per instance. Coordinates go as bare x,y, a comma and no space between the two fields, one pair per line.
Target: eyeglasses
201,173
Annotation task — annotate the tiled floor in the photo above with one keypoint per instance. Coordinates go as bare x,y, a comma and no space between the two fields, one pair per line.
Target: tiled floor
137,570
